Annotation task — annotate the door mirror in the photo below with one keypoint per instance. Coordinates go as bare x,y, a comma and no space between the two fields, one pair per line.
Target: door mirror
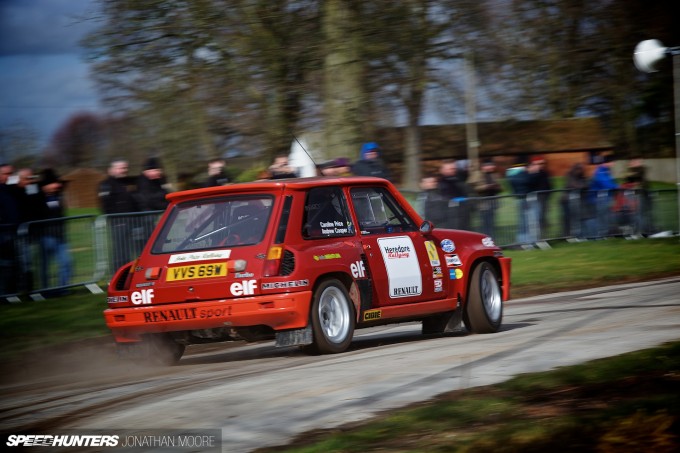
426,227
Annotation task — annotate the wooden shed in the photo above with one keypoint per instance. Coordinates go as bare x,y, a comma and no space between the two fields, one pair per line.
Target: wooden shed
81,187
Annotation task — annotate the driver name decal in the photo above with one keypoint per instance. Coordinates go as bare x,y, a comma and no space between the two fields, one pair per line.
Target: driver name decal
403,268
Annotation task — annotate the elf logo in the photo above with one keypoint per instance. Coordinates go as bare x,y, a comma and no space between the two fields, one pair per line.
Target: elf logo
143,297
244,288
358,269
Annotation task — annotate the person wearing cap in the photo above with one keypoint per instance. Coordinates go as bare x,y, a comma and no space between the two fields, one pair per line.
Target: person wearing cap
370,163
150,194
53,241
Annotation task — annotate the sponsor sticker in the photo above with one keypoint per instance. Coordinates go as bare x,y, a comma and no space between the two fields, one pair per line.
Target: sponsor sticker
199,256
438,286
488,242
196,271
453,260
116,299
437,272
291,284
402,266
371,315
327,256
455,274
432,253
448,246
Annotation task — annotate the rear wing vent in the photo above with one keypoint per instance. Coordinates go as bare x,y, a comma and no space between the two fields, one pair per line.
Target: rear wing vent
288,263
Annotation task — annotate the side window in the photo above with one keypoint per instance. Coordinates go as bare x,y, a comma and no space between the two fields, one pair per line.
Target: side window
326,214
377,212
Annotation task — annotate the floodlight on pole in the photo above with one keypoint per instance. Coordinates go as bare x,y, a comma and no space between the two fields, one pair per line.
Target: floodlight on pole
647,54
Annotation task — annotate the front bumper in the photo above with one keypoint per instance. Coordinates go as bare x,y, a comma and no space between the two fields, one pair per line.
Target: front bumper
278,311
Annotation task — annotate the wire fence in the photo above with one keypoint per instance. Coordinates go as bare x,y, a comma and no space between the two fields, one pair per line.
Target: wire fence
49,257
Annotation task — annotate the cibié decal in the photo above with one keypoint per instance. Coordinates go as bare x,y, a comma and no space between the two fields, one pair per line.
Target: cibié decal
453,260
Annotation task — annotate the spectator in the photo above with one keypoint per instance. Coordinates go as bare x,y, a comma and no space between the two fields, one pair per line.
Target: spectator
9,220
53,242
31,208
522,179
281,169
150,194
601,185
370,163
431,204
573,202
115,198
488,186
217,176
543,186
637,180
455,192
339,167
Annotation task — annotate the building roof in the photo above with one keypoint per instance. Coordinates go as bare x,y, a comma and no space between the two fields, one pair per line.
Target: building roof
502,138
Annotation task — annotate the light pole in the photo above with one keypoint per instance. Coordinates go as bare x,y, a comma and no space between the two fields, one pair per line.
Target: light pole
647,54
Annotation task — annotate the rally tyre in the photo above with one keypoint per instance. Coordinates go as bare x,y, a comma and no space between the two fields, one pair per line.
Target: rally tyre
484,311
332,318
155,349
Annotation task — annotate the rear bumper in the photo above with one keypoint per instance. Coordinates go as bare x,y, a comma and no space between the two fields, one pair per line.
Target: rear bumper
278,311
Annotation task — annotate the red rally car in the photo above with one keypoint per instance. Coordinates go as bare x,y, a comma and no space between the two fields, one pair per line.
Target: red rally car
304,261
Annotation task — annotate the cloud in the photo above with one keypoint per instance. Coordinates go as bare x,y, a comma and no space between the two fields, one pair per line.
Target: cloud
42,27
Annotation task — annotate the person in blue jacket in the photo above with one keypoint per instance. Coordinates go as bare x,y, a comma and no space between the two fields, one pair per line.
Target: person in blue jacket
600,196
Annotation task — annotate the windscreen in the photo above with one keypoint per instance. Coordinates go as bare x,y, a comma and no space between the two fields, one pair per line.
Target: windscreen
214,223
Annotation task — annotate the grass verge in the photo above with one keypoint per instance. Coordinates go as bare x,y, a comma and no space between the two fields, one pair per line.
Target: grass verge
628,403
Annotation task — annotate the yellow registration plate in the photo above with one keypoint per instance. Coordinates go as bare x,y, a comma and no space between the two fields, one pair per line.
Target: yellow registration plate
197,271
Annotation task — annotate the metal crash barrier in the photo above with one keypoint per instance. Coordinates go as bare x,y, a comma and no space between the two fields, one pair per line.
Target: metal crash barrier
43,258
120,239
562,214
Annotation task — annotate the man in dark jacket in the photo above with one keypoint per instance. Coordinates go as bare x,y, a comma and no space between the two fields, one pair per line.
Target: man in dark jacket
455,193
53,242
115,198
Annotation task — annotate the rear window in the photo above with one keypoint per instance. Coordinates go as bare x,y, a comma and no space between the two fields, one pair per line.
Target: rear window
212,223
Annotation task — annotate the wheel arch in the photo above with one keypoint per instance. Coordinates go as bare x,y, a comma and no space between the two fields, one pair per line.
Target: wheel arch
470,270
347,282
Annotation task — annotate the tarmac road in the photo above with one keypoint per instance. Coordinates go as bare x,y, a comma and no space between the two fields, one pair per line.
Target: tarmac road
260,396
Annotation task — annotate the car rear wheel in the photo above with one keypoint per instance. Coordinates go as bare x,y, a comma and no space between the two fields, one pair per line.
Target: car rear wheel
155,349
332,318
484,310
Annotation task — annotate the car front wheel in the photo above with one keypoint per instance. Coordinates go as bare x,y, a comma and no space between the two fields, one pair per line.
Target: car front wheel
332,318
484,310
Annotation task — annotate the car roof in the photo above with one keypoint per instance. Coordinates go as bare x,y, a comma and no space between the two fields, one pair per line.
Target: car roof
269,185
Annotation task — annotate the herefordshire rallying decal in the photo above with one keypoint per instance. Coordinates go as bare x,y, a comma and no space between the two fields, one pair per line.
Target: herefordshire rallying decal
199,256
403,269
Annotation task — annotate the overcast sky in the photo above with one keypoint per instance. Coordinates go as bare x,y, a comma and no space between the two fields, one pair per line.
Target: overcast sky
43,76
